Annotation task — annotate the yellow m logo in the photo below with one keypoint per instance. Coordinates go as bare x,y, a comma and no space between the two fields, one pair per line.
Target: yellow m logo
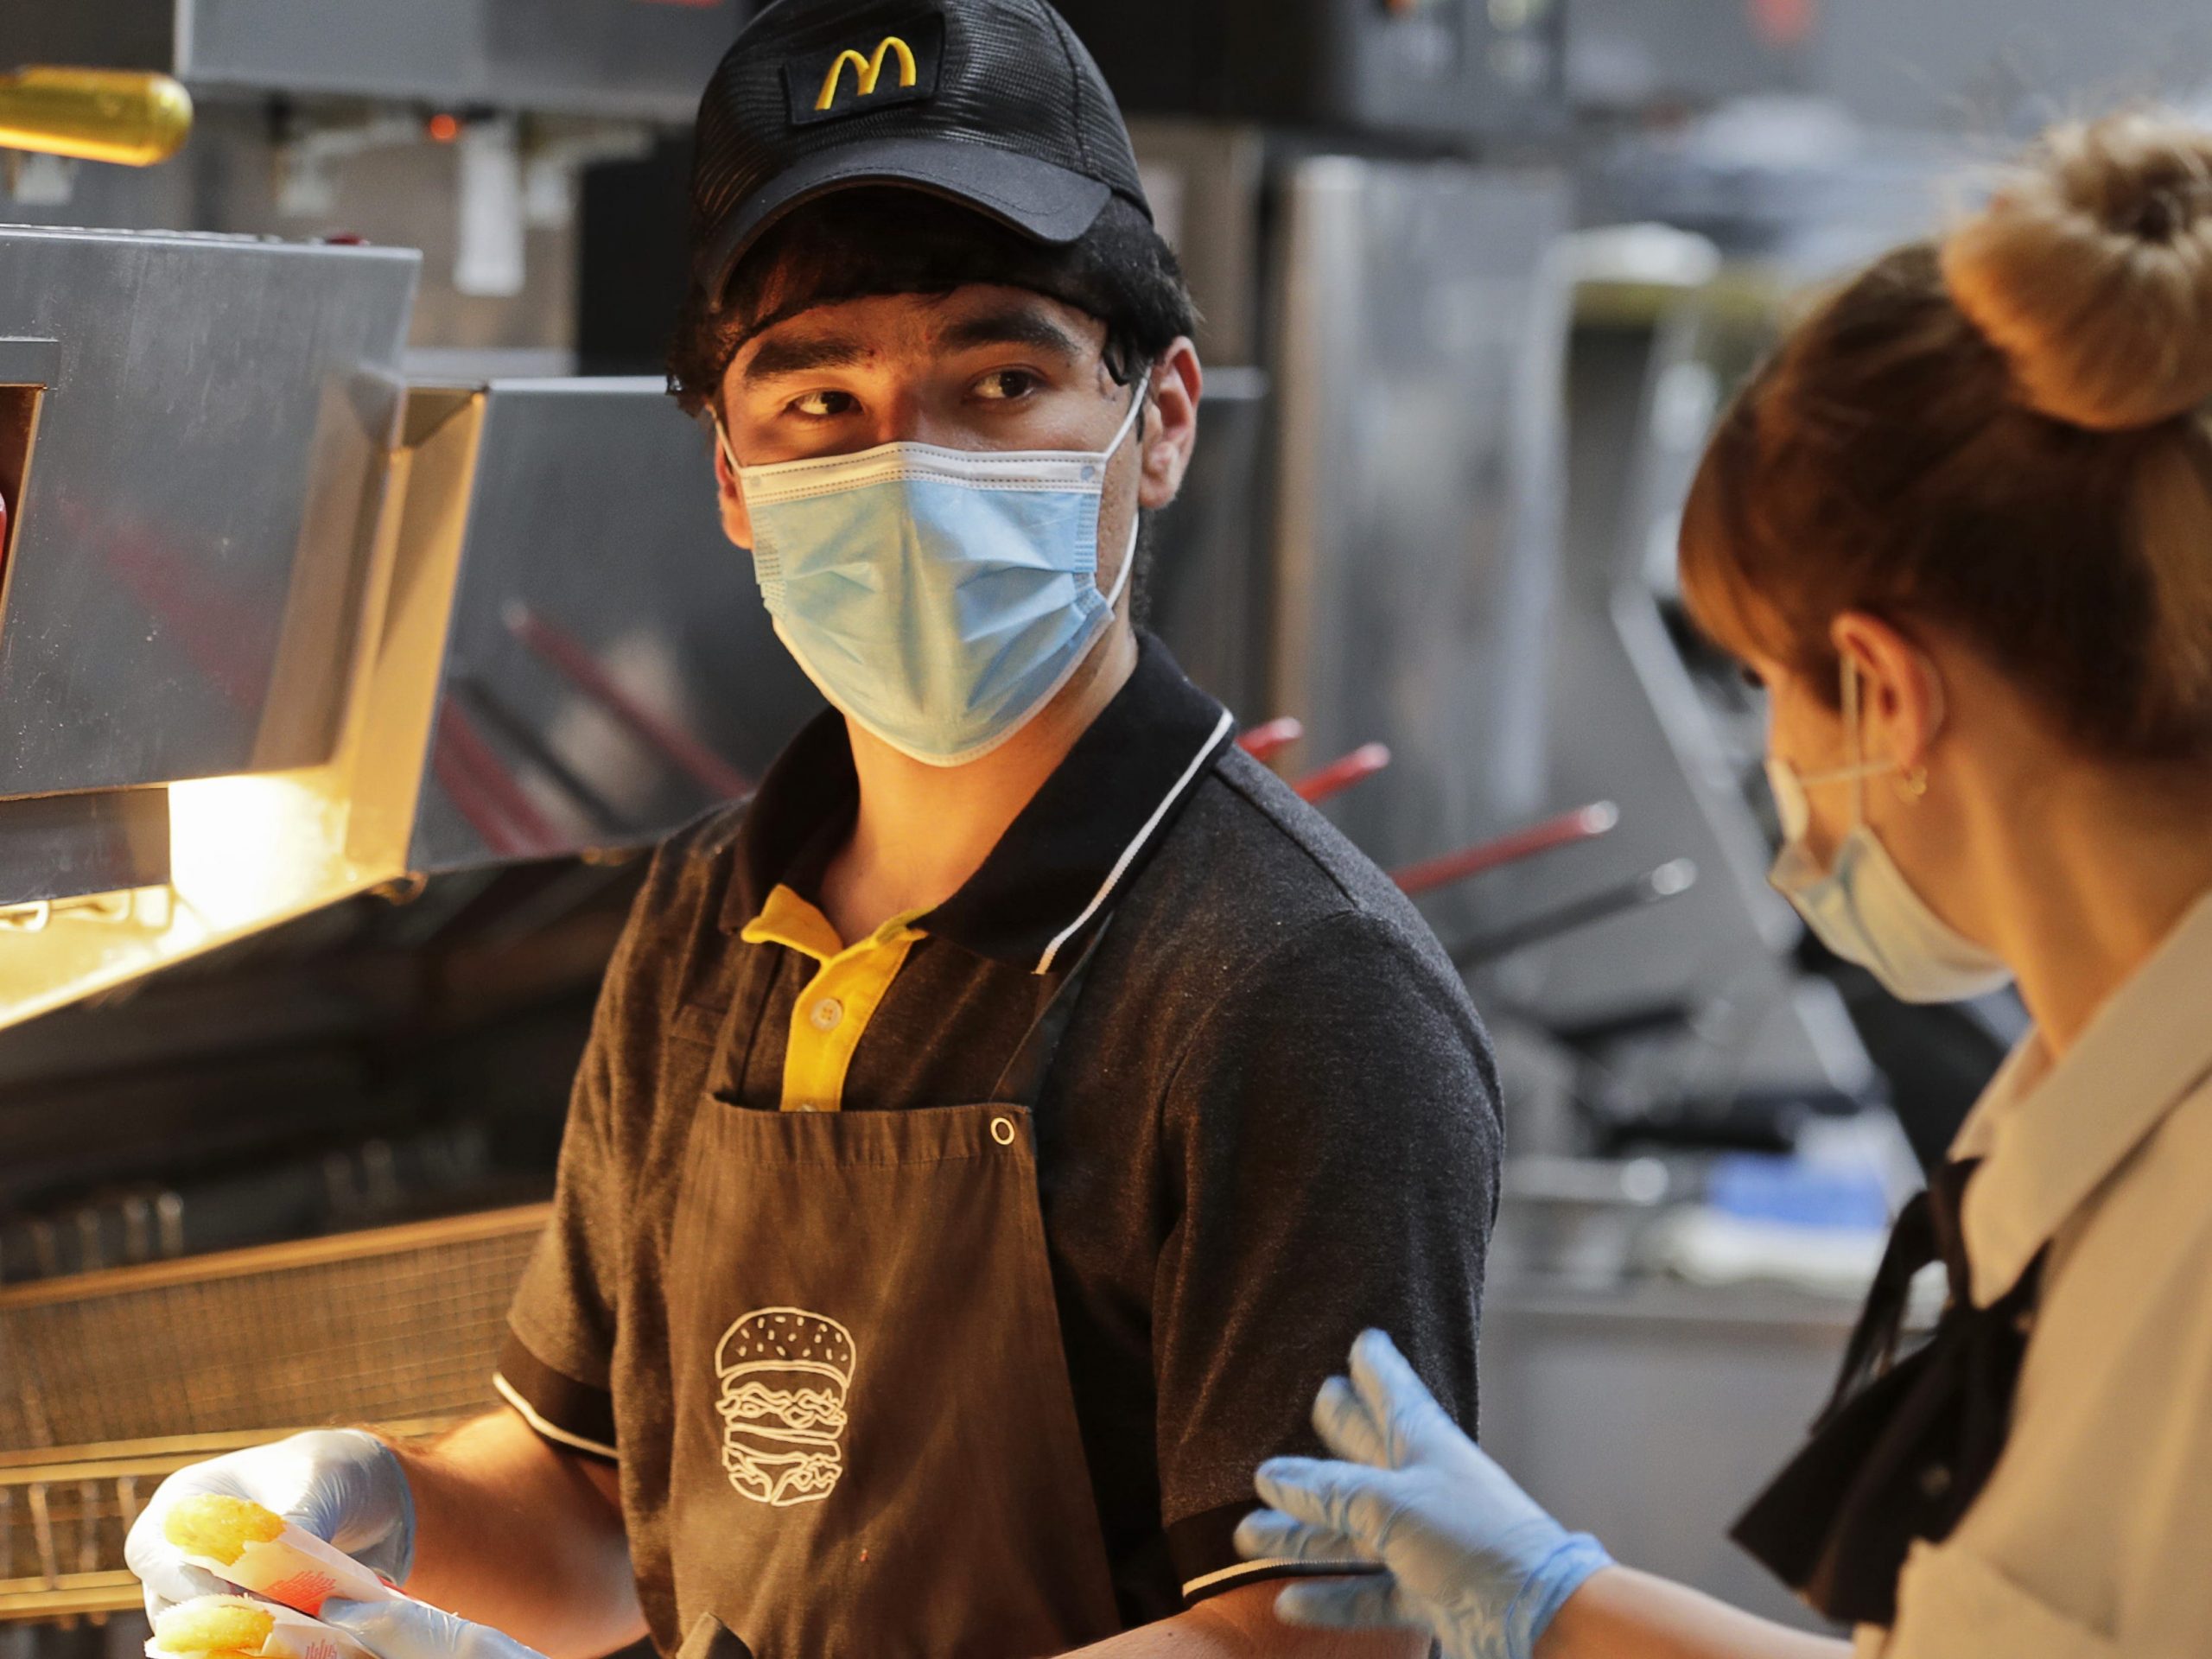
868,70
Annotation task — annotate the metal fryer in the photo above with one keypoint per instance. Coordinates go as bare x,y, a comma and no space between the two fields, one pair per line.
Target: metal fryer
114,1379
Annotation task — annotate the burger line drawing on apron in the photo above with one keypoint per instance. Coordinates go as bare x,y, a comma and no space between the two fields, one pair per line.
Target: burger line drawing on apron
785,1374
882,1459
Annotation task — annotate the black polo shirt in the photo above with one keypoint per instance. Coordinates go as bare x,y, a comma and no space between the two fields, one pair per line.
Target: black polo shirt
1273,1121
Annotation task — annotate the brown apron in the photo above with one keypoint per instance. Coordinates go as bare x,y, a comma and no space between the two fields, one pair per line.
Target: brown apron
876,1452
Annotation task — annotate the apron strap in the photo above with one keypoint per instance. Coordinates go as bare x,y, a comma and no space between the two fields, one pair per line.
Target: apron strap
1022,1082
709,1638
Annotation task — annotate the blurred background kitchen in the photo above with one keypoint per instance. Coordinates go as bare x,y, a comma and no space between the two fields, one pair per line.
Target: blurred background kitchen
366,618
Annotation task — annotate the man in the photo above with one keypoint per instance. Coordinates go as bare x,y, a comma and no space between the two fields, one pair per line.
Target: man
990,1135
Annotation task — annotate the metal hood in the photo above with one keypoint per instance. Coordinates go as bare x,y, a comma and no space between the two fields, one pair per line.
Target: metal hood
277,630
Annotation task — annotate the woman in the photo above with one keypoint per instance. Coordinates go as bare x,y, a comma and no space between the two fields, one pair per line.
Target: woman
1960,526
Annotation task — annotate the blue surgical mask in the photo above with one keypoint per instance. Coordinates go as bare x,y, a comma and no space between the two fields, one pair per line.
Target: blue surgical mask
939,597
1862,907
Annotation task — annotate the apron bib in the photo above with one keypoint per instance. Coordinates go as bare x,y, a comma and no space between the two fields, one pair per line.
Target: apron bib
875,1449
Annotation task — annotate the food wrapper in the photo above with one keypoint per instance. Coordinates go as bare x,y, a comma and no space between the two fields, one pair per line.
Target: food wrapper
256,1550
236,1627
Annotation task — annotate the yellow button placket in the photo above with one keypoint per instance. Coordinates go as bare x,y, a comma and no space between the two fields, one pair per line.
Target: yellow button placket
834,1008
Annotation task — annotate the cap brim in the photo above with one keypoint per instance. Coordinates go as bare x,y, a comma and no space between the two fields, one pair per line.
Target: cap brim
1041,201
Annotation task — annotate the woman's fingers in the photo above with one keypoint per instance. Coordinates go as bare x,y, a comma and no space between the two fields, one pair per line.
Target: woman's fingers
1371,1602
1346,1498
1397,1401
1345,1426
1271,1536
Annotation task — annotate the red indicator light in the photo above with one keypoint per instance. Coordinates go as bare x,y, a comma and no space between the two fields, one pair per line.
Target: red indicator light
442,128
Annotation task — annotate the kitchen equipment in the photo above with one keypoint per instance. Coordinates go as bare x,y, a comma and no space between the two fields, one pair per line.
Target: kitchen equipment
192,498
132,119
1567,830
559,653
640,59
1264,743
1444,71
1363,763
1670,880
114,1379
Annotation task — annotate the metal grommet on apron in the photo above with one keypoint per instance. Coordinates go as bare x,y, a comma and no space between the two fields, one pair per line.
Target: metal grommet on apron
875,1447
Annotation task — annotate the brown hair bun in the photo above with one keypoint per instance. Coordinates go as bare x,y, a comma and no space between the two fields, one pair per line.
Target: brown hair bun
2091,272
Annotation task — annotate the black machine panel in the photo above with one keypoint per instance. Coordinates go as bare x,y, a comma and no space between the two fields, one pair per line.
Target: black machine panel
1424,71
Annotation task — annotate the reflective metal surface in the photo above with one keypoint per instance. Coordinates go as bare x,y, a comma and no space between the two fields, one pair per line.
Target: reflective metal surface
1422,323
1741,1023
64,846
189,548
1430,69
646,58
610,671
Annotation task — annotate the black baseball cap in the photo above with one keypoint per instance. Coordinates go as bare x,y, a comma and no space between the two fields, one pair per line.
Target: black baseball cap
992,104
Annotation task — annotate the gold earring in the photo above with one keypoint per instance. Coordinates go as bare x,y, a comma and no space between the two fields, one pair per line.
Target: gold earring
1911,785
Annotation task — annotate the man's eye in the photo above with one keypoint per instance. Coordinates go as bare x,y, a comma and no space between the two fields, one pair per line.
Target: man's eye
824,406
1005,385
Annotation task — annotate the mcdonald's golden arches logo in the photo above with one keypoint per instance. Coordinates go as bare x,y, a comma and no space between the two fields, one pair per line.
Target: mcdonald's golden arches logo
868,70
858,78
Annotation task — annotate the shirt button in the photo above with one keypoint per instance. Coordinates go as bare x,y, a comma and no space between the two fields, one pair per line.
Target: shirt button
826,1015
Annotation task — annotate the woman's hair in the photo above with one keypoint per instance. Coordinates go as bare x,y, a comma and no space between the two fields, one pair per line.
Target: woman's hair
2005,434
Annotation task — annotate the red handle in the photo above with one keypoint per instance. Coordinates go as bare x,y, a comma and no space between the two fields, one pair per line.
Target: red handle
675,745
1337,776
1584,824
1264,742
484,792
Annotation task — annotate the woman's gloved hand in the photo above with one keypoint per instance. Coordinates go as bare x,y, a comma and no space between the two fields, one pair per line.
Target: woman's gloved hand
414,1630
1472,1557
343,1486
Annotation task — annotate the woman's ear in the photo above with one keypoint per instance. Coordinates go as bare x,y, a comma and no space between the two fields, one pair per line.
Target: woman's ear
1900,693
1171,428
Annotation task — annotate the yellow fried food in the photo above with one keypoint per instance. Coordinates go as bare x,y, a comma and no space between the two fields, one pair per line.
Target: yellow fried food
220,1528
213,1625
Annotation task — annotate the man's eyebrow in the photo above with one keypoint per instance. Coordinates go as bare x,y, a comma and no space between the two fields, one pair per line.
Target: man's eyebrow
804,354
1011,326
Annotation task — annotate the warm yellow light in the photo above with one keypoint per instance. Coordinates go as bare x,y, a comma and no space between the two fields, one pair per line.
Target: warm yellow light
244,851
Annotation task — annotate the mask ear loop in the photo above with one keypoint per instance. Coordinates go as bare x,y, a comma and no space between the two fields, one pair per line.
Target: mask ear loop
1857,749
1136,519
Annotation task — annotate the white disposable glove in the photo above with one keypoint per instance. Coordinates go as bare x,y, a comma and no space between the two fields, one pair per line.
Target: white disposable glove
414,1630
1472,1557
343,1486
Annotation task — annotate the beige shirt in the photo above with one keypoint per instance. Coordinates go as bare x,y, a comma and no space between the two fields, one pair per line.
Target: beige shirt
2093,1536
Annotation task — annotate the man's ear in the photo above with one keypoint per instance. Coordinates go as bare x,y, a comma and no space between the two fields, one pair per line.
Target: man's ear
737,522
1171,424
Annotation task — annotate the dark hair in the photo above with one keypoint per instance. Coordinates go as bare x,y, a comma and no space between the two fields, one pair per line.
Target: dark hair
884,240
2005,434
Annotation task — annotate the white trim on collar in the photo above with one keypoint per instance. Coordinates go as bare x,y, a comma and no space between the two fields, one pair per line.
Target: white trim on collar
2051,1134
1137,845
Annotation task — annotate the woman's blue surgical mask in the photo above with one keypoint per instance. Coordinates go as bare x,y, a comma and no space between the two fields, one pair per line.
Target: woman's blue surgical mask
939,597
1862,907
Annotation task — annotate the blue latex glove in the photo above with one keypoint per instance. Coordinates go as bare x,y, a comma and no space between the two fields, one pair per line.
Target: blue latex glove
343,1486
1472,1557
414,1630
